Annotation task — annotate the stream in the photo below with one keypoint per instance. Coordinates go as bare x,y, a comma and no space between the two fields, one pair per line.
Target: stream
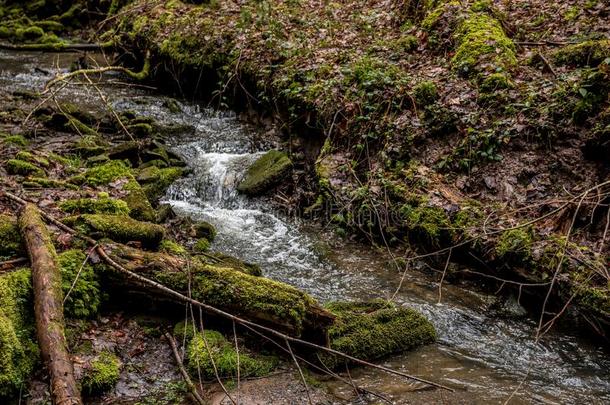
485,357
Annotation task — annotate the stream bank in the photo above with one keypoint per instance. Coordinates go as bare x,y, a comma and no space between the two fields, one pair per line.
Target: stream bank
441,161
246,221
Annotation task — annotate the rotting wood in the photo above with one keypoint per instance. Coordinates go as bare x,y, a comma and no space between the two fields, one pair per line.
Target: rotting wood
48,307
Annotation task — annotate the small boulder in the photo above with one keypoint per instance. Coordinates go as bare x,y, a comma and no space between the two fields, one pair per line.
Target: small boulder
268,171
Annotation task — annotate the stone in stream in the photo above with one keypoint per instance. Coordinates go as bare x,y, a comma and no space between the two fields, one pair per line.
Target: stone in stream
265,173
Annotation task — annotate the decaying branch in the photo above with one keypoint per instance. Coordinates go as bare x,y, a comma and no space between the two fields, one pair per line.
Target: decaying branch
48,307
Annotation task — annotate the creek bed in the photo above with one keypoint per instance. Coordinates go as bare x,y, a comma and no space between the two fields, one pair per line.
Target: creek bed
486,357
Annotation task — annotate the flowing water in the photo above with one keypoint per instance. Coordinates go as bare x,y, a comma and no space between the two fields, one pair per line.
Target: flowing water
485,357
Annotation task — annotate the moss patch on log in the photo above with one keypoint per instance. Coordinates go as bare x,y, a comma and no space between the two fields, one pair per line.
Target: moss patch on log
118,228
266,172
101,205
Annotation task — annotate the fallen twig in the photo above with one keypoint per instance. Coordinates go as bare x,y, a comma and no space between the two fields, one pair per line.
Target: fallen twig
185,375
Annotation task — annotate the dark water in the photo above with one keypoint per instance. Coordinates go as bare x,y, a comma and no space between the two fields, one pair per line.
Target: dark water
487,358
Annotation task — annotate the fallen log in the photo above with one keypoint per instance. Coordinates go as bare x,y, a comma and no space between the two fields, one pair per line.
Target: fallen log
48,307
255,298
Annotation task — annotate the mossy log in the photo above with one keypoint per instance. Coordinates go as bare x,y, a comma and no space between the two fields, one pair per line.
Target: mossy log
257,299
48,307
119,228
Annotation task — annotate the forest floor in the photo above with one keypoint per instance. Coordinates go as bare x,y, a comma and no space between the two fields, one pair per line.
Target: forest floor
475,132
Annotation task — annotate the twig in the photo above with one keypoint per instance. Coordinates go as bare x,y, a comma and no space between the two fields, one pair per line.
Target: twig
296,363
56,47
13,262
440,284
141,75
185,375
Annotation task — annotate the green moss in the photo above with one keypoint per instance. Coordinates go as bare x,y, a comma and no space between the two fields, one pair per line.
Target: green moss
206,230
18,350
50,25
266,172
118,228
372,330
495,81
104,173
202,245
28,156
223,260
85,296
166,177
425,93
11,243
260,298
103,373
21,167
433,17
100,205
431,223
480,42
171,247
44,182
516,243
17,140
212,346
138,203
29,33
588,53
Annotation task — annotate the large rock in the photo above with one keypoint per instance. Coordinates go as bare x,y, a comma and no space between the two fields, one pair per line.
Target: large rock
265,173
375,329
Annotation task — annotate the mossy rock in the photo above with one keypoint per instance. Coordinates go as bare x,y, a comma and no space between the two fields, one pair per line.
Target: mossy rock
372,330
18,349
155,190
102,374
211,348
16,140
139,205
118,228
11,244
206,230
101,205
265,173
23,168
84,296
